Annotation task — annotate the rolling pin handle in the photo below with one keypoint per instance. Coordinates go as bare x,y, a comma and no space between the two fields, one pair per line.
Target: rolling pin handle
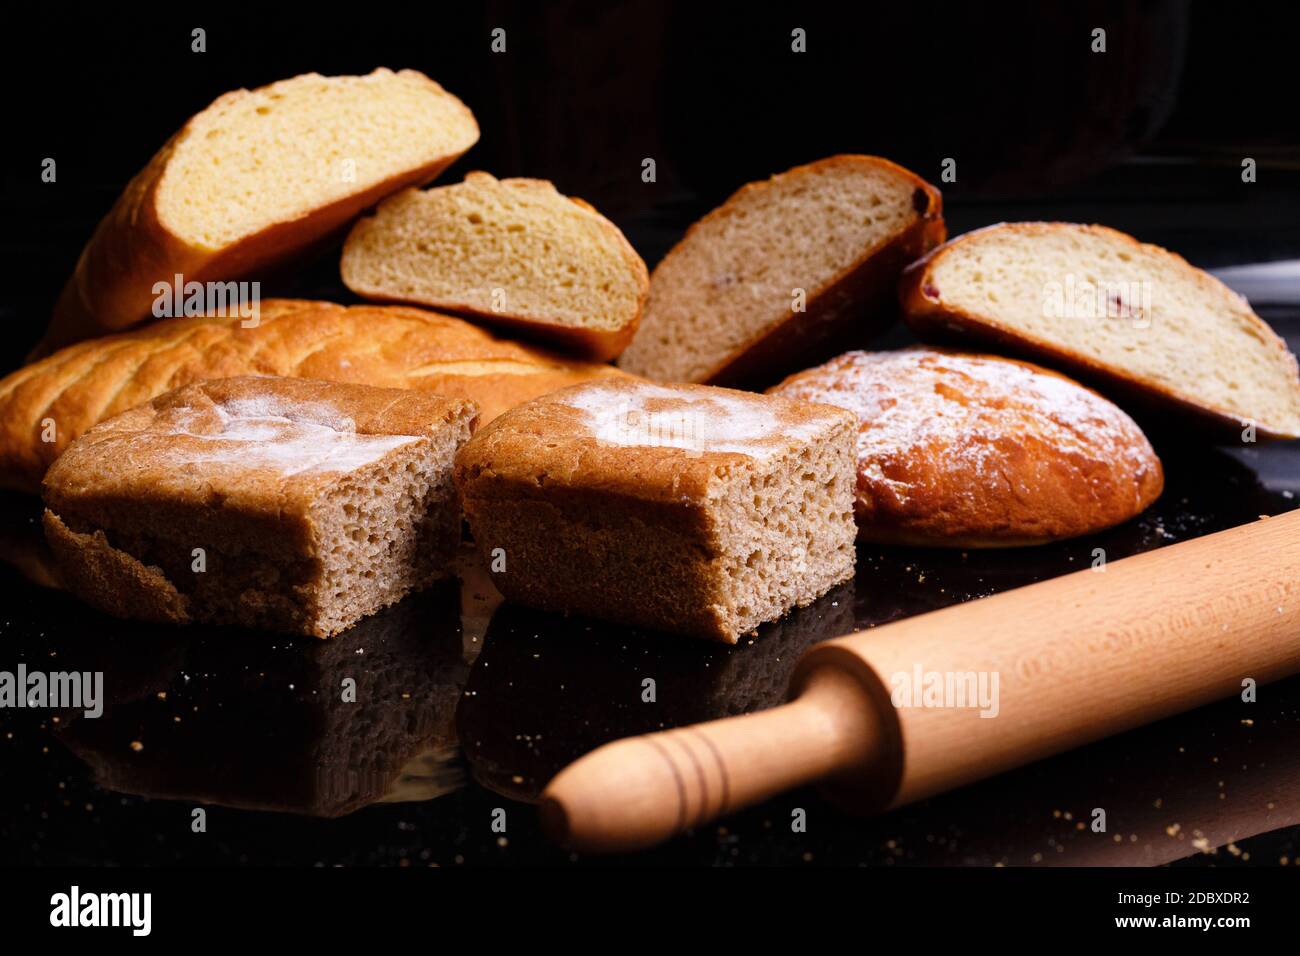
636,792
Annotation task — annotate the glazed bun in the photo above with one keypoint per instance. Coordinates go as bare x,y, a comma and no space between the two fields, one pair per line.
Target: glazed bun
976,451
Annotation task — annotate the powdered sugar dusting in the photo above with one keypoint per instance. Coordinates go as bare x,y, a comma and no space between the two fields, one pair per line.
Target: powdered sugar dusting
695,419
266,432
971,411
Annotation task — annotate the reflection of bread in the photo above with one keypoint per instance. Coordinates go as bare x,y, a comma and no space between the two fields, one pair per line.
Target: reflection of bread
688,509
479,600
971,451
566,667
61,396
254,178
757,674
311,504
513,252
293,743
22,541
724,306
1098,303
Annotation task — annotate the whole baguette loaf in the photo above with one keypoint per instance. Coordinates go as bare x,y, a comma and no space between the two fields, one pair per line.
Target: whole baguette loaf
47,404
253,179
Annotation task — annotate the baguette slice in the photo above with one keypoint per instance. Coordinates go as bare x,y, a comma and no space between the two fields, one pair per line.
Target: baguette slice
256,177
723,303
46,405
1135,319
513,251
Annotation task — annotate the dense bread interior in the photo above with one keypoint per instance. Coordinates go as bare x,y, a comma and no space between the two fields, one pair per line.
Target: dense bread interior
1132,308
381,530
387,529
733,277
264,502
774,530
261,157
513,247
592,552
785,532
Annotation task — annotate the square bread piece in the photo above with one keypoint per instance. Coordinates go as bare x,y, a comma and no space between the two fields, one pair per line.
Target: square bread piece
696,510
276,503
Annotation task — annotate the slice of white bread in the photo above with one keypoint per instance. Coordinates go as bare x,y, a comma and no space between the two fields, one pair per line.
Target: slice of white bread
1133,318
785,273
256,177
515,252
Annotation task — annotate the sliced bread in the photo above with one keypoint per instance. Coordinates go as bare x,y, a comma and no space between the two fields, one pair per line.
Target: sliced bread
699,511
257,176
277,503
515,252
785,273
1133,318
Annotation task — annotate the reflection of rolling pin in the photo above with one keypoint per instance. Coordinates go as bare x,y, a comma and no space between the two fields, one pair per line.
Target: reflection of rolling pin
1077,658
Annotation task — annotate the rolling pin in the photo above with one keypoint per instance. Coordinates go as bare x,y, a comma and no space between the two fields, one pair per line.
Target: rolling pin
1072,660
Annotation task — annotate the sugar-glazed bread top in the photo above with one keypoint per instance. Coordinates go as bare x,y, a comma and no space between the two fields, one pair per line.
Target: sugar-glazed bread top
642,440
978,448
62,395
253,444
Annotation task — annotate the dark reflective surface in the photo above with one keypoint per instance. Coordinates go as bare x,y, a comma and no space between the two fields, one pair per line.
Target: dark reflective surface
463,707
239,721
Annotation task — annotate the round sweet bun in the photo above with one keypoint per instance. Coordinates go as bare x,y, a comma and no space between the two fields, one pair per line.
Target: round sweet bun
975,451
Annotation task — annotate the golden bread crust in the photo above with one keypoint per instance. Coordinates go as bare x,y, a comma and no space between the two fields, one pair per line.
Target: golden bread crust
176,448
977,451
573,454
398,347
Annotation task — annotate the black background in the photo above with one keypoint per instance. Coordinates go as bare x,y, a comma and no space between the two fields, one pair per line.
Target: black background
1148,137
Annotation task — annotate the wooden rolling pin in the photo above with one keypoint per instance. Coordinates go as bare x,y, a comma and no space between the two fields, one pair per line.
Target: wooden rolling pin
1076,658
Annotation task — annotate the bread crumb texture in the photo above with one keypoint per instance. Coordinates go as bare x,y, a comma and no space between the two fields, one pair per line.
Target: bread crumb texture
256,158
1095,299
694,510
512,249
732,278
273,503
